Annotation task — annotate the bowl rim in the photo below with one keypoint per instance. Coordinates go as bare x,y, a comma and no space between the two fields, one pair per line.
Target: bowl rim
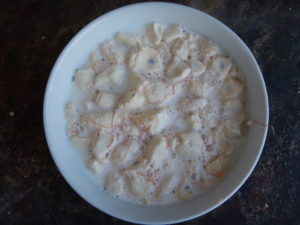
90,26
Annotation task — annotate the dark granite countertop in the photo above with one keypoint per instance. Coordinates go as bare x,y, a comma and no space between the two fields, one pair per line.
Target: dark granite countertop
33,33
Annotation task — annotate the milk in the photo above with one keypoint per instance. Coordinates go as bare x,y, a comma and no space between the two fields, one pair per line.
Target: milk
174,124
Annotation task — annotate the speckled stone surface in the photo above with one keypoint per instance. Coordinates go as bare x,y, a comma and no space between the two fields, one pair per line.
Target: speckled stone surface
33,33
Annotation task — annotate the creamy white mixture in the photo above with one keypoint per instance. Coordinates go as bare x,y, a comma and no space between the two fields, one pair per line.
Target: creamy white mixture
160,113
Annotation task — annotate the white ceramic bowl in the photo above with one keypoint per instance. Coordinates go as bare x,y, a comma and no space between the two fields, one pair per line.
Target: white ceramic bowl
131,18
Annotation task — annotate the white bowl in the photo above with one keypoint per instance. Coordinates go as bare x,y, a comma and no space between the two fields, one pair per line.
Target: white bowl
130,19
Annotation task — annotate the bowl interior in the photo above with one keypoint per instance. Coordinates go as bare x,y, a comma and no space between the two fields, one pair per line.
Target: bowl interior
131,19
